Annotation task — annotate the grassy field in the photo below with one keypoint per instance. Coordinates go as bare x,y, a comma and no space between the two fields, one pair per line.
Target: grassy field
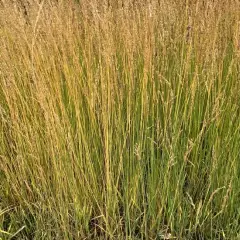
119,119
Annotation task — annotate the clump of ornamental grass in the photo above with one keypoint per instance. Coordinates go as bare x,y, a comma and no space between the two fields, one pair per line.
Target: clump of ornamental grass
119,119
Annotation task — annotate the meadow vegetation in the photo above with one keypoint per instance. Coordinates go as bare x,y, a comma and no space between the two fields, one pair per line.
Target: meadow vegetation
119,119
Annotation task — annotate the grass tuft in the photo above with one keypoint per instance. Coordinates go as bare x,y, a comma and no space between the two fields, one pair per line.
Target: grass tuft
119,119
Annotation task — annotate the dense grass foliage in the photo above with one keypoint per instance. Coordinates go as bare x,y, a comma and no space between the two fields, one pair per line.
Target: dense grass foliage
119,119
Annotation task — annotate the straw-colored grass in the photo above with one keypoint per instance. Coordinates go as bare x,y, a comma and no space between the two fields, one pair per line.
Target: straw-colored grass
119,119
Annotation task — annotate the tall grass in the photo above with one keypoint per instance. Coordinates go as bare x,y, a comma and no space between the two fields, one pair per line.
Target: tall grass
119,119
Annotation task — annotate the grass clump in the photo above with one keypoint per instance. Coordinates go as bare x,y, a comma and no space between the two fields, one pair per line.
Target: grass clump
119,120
